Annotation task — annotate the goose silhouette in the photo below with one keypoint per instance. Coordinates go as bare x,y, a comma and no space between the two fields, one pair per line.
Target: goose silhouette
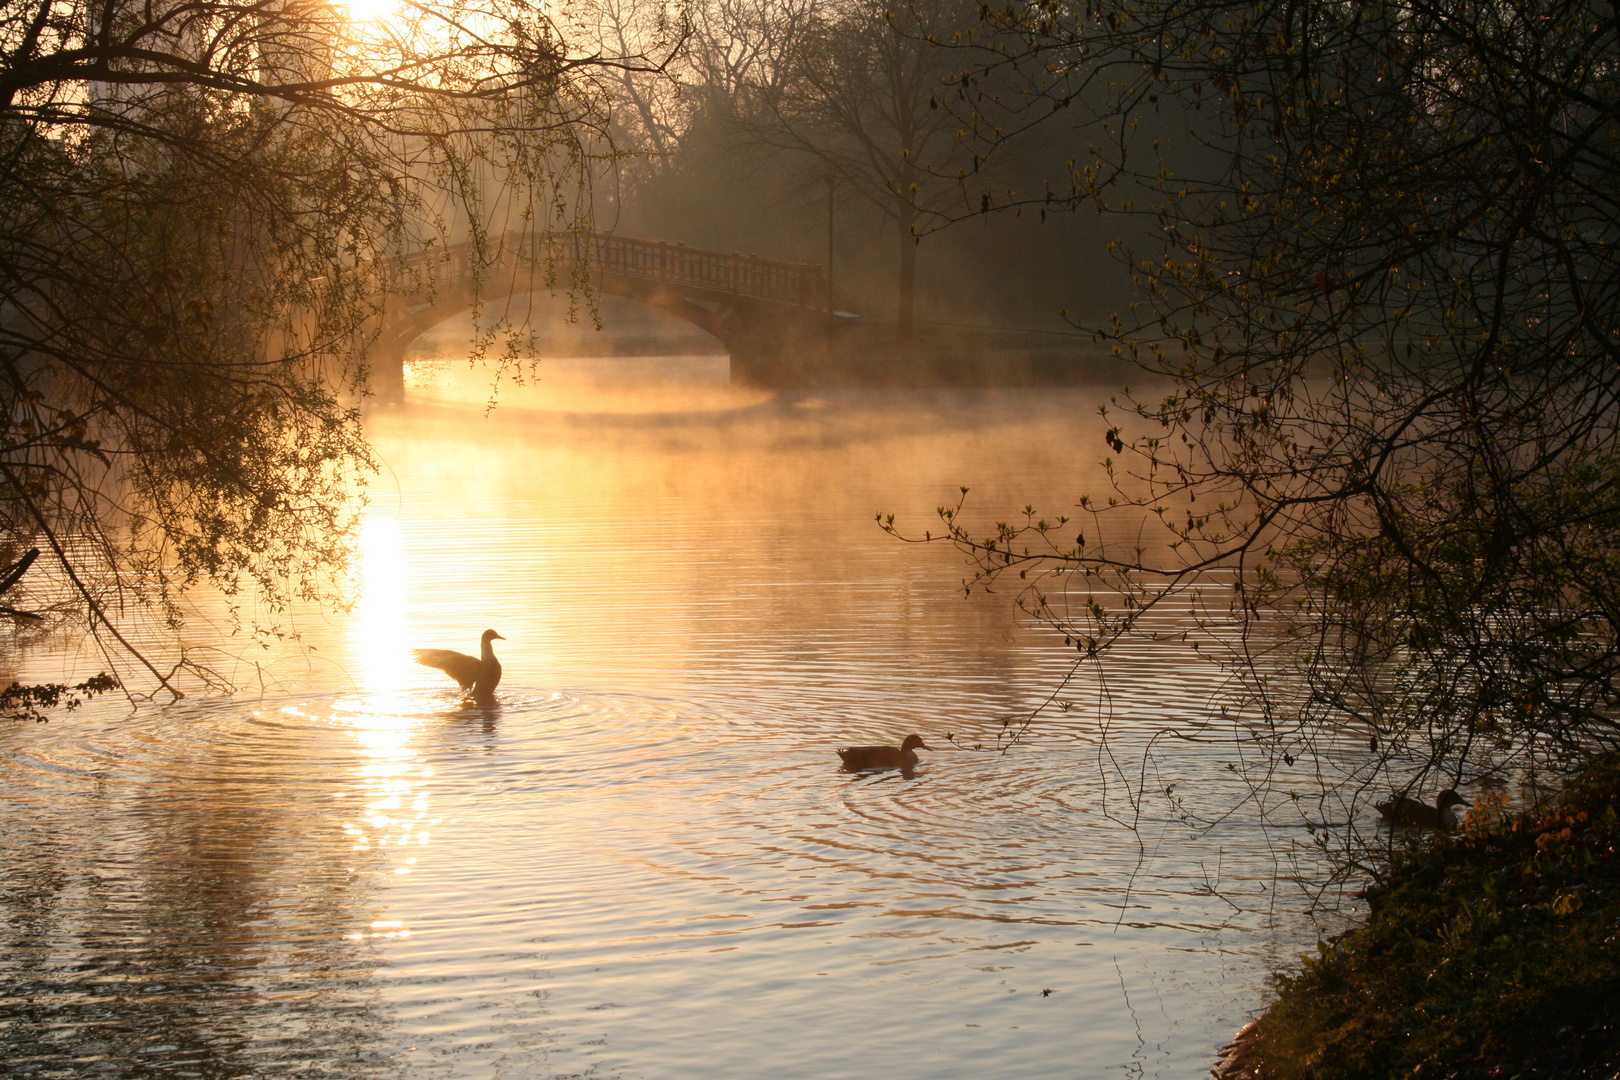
1404,810
903,756
480,674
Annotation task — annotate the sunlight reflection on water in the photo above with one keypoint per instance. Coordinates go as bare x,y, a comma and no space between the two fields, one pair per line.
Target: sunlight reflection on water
385,658
644,862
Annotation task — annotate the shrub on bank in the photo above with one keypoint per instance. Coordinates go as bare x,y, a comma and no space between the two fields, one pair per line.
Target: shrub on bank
1494,953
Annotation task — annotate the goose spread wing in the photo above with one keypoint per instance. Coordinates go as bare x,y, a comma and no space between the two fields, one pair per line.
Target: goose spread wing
459,666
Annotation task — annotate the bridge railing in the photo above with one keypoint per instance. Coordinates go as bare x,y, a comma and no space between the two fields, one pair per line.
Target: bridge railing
710,272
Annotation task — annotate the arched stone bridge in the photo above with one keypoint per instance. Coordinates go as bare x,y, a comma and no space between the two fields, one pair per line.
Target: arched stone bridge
756,307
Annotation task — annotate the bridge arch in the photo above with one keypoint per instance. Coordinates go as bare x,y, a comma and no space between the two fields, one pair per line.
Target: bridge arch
753,306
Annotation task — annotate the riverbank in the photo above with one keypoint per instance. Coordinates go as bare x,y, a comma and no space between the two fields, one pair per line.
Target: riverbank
1492,954
854,353
866,353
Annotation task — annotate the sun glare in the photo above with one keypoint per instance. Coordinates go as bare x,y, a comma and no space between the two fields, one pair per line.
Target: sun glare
383,648
372,11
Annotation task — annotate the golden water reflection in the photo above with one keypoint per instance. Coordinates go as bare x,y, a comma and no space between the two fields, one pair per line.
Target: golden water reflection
397,818
625,386
651,831
388,817
382,629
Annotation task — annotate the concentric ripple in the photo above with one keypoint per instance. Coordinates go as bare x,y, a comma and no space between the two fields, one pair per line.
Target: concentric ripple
645,860
401,884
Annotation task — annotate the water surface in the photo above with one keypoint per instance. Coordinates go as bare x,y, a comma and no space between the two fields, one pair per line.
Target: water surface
645,862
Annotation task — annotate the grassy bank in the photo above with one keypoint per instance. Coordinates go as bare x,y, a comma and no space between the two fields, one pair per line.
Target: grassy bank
1495,953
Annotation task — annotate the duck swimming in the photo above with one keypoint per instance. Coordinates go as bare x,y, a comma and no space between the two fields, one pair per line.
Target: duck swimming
1403,810
481,673
903,756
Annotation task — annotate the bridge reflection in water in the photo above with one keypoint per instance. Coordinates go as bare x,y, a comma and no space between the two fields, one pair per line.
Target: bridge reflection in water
759,308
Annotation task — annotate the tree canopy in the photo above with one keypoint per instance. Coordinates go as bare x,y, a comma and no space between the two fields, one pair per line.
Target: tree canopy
1382,285
198,204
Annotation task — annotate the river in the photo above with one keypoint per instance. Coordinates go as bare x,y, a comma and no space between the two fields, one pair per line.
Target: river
645,862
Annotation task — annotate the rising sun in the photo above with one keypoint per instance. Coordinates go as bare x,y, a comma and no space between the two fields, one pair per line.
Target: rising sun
372,11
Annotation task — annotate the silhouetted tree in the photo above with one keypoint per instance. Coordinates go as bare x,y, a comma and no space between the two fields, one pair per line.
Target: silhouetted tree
645,110
859,95
198,201
1387,298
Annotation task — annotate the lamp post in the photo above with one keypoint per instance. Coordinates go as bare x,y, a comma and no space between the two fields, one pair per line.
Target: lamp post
829,243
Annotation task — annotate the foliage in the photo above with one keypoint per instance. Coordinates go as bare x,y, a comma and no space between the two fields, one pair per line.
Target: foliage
1495,954
19,702
198,204
1379,321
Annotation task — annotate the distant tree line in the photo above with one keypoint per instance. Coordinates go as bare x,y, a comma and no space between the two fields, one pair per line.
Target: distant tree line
771,111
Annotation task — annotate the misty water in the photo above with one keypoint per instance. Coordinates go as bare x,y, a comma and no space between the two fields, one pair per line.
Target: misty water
645,860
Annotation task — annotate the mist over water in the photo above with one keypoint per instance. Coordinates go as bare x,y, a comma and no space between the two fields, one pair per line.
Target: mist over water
645,862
